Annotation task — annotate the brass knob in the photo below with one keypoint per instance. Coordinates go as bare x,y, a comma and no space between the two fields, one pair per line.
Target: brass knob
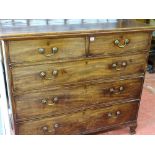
118,112
119,67
55,72
112,90
124,64
44,101
114,65
55,99
45,128
109,114
42,74
116,42
126,41
41,50
54,50
56,125
121,88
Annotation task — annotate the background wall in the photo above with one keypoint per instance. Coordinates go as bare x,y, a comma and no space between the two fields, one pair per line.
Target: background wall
1,72
1,131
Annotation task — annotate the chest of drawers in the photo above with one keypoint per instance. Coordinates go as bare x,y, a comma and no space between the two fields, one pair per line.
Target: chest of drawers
75,78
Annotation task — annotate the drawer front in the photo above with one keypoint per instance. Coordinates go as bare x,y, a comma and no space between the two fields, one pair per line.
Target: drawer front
46,49
82,122
49,75
68,99
115,44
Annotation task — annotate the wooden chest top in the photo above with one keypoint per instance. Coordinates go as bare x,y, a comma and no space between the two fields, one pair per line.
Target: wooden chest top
19,30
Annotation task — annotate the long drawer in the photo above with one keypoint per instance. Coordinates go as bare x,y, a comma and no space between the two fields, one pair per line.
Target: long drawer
49,75
83,122
119,43
66,99
28,51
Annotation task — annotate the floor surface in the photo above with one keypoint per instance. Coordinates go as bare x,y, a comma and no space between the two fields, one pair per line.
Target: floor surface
146,115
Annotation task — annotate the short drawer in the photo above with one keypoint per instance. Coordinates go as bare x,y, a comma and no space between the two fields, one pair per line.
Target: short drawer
84,122
67,99
121,43
50,75
27,51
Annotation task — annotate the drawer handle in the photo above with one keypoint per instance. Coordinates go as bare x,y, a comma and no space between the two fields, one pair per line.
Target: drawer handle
118,112
124,64
54,50
56,125
41,50
117,42
43,75
46,130
52,102
55,99
55,72
114,116
109,114
116,91
44,101
119,67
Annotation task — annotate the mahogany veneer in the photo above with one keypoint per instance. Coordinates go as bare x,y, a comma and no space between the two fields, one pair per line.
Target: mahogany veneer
75,78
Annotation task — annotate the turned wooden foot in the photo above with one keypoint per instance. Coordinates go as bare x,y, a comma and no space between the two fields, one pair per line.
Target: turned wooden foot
133,130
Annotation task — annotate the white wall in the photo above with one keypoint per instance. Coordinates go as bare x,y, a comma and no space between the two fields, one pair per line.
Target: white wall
1,96
4,112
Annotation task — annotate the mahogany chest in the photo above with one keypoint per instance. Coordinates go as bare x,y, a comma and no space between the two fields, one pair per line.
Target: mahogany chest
75,77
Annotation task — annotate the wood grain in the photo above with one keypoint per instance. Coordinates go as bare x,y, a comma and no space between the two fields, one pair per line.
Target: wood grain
104,45
82,122
30,105
26,51
27,32
28,78
96,85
